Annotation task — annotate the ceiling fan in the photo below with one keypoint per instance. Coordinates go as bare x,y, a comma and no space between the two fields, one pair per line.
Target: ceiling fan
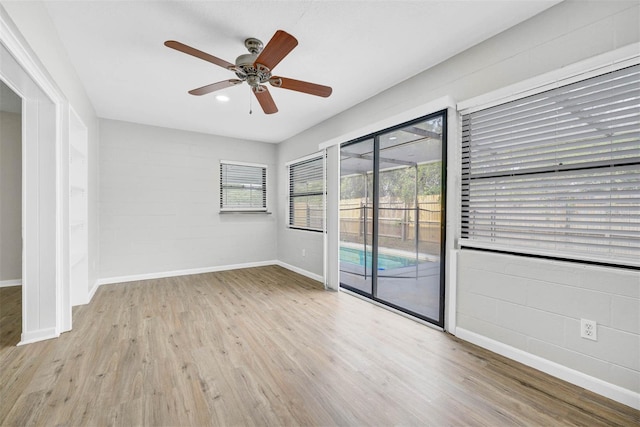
255,68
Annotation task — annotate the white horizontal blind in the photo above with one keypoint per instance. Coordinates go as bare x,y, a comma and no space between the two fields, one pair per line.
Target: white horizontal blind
558,171
243,187
306,194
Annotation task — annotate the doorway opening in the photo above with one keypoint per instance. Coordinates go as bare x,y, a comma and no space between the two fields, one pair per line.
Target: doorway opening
46,308
10,216
392,213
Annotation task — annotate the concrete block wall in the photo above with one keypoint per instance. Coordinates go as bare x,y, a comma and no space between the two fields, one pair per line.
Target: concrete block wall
159,202
535,305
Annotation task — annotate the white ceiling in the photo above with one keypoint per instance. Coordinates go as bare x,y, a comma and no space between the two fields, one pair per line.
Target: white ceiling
359,48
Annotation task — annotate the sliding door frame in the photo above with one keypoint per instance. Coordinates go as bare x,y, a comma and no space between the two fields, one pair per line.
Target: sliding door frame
375,136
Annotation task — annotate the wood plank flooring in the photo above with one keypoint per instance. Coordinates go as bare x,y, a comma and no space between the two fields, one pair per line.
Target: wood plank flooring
265,346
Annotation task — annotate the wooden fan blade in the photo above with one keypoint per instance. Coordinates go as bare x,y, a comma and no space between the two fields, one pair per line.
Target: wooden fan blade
198,53
265,100
300,86
278,47
215,86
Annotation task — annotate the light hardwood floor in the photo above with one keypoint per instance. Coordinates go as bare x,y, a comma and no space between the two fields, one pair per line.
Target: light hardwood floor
265,346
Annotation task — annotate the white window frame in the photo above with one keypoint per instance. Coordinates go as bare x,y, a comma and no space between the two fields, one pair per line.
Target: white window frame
609,62
265,172
318,155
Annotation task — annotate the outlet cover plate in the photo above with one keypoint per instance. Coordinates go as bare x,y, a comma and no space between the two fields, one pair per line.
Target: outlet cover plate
589,329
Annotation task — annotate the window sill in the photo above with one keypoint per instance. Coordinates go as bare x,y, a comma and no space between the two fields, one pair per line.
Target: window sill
314,230
245,212
563,256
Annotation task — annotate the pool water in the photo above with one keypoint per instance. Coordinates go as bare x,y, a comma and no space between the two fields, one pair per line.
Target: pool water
385,262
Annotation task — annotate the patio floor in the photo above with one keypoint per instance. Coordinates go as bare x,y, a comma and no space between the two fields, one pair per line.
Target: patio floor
414,289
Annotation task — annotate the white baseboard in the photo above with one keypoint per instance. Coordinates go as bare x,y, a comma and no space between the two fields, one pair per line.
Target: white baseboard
596,385
88,296
12,282
49,333
92,291
299,270
186,272
39,335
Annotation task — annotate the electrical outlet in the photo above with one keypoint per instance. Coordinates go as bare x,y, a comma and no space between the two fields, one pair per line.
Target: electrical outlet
304,252
589,329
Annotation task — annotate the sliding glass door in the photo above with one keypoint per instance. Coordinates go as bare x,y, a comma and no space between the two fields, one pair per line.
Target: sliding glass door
391,217
356,216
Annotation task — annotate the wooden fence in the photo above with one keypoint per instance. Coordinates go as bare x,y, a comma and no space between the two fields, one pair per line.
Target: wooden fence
397,219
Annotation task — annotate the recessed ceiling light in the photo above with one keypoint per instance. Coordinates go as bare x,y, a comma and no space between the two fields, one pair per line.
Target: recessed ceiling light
222,98
392,138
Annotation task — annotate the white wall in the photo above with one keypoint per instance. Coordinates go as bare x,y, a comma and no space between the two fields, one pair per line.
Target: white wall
159,205
36,27
291,243
564,34
10,197
536,305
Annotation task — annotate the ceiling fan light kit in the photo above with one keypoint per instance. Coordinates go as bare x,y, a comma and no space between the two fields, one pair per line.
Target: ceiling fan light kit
254,68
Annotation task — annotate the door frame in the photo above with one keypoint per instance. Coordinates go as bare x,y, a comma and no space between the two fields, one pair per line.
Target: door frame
375,137
46,303
452,221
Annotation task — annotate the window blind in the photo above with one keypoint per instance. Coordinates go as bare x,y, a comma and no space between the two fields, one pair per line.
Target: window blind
306,194
243,187
558,171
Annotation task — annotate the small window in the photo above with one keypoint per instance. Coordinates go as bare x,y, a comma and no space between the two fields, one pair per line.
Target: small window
306,193
243,187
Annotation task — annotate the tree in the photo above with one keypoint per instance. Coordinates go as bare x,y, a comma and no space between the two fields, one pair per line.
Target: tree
396,184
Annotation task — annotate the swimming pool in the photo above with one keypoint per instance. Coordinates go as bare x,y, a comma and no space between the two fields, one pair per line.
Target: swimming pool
385,262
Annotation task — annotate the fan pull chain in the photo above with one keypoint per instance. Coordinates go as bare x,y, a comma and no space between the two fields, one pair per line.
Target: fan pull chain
250,109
